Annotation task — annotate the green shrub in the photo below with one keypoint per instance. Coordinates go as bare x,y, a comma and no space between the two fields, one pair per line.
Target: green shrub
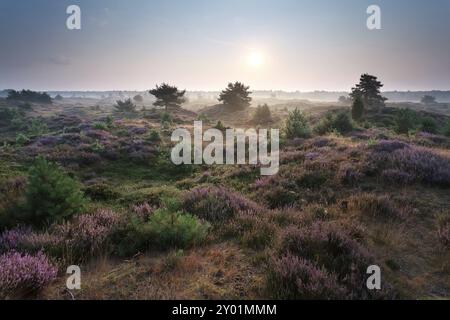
342,123
166,117
175,229
51,194
21,139
262,115
297,126
37,128
100,191
325,125
154,136
429,125
100,126
447,129
404,121
125,106
109,122
164,230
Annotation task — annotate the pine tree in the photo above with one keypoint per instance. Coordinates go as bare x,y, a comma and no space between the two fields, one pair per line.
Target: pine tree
125,106
357,109
168,96
262,115
236,96
51,194
297,126
368,89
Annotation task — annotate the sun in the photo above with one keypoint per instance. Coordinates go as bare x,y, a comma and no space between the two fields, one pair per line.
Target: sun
256,59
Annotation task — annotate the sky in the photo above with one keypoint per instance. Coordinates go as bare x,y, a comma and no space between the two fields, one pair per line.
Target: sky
287,45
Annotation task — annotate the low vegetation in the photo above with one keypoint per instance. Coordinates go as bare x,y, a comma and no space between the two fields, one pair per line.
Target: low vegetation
364,183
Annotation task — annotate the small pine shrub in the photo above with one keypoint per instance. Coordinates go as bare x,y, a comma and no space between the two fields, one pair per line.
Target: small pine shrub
404,121
325,125
21,139
37,128
126,106
262,115
154,136
51,194
429,125
100,126
163,230
342,123
446,130
297,126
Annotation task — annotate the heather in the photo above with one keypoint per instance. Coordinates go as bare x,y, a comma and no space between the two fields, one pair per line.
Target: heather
24,274
216,203
294,278
330,247
349,193
419,163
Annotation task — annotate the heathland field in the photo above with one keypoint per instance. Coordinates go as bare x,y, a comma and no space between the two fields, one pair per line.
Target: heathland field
90,182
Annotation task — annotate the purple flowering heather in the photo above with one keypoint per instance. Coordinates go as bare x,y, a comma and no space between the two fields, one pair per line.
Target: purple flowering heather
216,203
23,273
389,146
88,233
291,277
143,211
13,239
418,162
23,239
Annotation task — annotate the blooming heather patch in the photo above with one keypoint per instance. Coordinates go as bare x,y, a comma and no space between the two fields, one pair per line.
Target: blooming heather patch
23,273
348,174
216,203
13,239
420,163
396,176
143,211
389,146
291,277
89,233
328,246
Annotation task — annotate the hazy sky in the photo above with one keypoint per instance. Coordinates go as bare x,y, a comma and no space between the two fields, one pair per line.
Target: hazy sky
204,44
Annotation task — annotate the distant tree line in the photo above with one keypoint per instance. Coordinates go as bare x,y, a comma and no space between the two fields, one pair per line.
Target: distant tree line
29,96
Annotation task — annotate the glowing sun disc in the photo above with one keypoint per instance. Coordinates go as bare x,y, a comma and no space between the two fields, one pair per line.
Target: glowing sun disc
256,59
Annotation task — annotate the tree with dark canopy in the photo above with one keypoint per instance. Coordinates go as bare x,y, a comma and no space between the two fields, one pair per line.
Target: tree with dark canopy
138,98
29,96
236,95
368,89
168,96
126,106
426,99
357,109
